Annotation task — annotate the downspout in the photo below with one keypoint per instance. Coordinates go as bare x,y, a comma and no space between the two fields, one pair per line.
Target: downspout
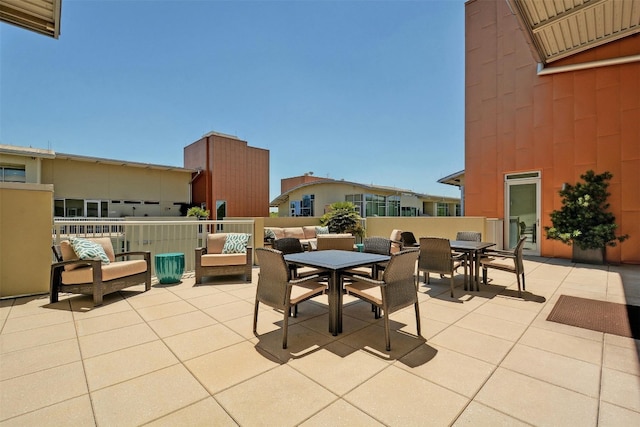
542,71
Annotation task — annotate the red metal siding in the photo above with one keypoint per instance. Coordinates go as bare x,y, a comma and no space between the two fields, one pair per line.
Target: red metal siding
233,172
562,124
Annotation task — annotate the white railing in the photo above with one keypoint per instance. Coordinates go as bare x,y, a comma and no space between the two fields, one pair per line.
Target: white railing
156,236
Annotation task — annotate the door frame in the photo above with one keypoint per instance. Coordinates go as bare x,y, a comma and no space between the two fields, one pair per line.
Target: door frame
516,178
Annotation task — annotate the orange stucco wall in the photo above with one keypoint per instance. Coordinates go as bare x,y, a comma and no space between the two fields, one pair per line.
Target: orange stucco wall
560,124
232,171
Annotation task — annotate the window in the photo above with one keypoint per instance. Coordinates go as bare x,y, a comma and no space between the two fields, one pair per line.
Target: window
393,206
356,199
58,207
221,209
458,210
12,174
376,205
443,209
306,207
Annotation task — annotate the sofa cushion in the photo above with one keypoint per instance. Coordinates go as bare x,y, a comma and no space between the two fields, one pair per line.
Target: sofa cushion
114,270
215,260
296,232
236,243
309,231
86,249
278,231
215,242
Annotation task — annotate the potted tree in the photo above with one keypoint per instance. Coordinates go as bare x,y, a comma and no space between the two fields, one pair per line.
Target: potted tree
343,218
584,221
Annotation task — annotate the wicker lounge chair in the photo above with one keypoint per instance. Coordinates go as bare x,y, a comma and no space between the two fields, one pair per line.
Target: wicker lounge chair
94,277
211,261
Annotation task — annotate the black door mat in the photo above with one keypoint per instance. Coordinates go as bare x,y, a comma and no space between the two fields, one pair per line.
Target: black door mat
602,316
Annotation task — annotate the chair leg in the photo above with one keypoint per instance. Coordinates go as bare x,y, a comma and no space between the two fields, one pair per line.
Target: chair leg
451,285
255,316
484,275
387,339
518,280
417,318
285,328
523,286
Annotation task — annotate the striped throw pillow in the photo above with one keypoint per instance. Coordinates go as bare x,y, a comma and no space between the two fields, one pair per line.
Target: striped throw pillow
236,243
86,249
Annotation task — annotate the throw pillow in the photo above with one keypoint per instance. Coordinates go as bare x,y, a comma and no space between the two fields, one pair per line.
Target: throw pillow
86,249
269,234
322,230
236,243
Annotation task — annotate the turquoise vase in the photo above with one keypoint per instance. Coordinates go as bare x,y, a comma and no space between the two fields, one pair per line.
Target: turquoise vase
169,267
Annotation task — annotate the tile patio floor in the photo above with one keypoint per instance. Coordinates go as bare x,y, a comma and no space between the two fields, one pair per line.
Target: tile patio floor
183,355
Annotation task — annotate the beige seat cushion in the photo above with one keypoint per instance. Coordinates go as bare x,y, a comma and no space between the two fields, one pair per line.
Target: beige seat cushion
372,292
114,270
216,260
309,231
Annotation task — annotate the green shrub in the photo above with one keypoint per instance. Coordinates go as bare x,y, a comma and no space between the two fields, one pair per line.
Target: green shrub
584,219
343,218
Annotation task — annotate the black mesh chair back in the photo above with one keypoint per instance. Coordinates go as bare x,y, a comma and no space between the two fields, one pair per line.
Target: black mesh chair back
408,239
377,245
469,236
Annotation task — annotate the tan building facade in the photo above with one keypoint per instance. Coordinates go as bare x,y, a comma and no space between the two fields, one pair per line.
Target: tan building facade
97,187
314,197
232,178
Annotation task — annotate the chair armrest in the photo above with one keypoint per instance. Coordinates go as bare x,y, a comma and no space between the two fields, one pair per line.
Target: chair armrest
459,256
497,253
142,253
304,279
368,280
89,262
202,251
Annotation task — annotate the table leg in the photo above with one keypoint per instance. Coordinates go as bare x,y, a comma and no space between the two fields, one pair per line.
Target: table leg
476,262
334,303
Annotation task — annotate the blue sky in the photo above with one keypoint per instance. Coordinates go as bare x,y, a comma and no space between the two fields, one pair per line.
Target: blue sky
366,91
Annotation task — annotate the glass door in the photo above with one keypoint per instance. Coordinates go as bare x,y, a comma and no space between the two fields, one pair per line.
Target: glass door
522,210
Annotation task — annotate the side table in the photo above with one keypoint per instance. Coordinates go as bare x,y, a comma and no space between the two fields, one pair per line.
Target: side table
169,267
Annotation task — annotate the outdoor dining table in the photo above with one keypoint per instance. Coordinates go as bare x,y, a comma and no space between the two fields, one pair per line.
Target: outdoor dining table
335,262
474,250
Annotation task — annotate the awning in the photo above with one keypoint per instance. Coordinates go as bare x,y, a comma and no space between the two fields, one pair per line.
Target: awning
556,29
41,16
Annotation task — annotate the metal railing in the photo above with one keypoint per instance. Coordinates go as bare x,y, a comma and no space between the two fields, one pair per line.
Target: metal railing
156,236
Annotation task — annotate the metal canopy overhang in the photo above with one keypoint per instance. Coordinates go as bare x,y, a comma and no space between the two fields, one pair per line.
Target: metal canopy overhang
556,29
41,16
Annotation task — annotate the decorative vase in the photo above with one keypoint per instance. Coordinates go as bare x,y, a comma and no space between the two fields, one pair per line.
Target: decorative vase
588,256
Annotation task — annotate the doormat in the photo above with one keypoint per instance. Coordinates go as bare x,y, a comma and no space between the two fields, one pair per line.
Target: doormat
602,316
